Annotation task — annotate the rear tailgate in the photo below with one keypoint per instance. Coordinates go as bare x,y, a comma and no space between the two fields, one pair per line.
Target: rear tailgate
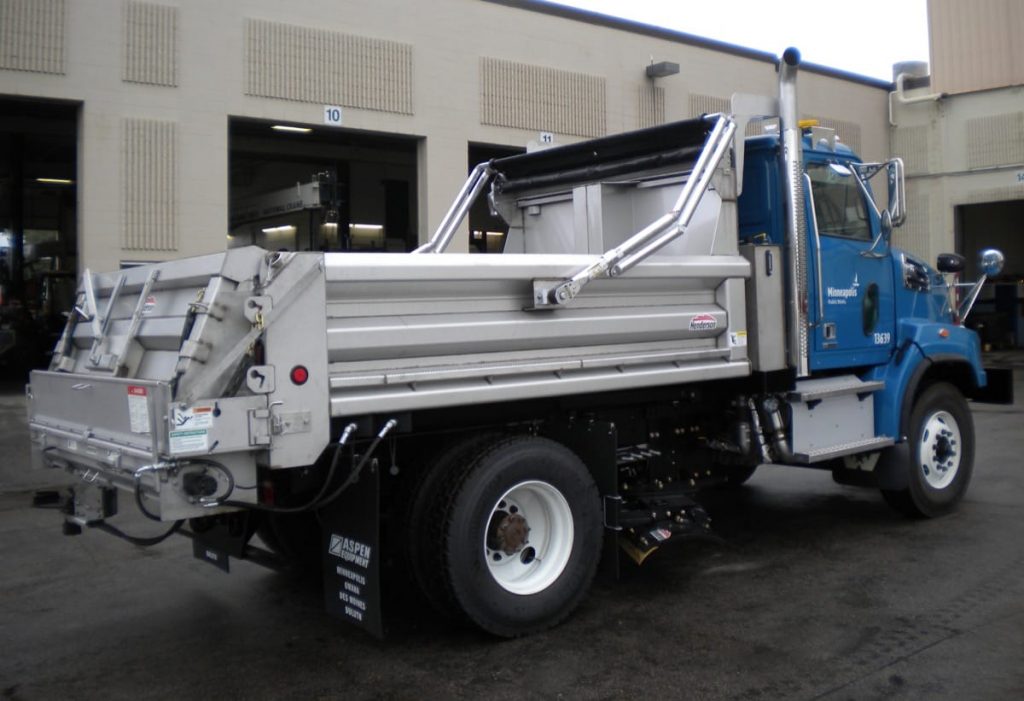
116,422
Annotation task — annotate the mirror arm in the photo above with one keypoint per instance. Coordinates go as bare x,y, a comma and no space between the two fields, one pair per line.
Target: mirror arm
864,188
968,304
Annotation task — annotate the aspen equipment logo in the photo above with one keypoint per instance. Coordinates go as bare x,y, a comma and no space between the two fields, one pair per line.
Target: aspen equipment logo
350,550
839,295
703,322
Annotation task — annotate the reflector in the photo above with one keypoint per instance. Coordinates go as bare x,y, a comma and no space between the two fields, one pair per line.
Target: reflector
299,375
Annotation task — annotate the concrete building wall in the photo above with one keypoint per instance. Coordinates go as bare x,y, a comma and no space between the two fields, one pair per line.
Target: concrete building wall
958,150
962,137
975,45
158,82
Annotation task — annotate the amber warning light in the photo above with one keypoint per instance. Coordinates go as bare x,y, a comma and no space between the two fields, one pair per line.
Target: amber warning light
300,374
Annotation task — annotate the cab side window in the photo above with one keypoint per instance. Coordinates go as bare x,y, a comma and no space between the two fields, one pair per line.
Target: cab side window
838,202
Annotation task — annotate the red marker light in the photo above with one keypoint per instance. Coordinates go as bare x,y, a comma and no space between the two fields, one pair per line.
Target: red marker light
299,375
943,333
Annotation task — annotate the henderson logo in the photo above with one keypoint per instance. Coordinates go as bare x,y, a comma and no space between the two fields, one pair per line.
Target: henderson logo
703,322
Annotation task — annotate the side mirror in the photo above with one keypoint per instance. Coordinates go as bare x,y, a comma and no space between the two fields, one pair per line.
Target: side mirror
885,225
894,179
897,194
950,263
991,262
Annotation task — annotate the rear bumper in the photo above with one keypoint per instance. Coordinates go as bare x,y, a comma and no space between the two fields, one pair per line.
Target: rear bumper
113,433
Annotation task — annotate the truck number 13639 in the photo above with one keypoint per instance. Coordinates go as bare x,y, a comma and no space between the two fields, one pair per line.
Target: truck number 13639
883,338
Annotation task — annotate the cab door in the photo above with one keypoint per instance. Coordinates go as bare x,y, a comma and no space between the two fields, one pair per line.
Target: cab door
851,293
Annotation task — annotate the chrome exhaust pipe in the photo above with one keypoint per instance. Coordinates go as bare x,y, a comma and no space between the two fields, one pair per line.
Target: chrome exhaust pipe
783,451
791,156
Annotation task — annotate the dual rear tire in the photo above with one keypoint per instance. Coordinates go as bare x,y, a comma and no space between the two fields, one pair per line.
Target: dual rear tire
506,532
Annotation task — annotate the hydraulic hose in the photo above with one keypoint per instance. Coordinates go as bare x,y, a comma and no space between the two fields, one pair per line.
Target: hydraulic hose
353,476
312,503
136,540
142,506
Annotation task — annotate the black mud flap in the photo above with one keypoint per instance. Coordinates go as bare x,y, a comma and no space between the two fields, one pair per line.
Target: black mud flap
891,472
998,390
595,443
211,554
351,554
217,539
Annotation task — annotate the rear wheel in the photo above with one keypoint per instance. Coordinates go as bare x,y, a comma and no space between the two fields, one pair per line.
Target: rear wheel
424,526
520,536
941,437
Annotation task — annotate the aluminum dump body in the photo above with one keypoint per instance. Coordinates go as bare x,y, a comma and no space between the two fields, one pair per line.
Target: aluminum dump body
196,358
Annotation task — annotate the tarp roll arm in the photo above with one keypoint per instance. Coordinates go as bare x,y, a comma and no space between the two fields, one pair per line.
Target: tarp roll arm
474,185
655,235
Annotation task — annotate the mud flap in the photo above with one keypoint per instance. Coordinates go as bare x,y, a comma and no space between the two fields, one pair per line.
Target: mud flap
892,472
595,443
999,389
351,554
217,539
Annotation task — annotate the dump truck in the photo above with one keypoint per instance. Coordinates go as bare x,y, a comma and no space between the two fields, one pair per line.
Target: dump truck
673,308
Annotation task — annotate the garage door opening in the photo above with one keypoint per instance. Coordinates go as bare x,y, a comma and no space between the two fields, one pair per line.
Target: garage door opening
307,188
487,231
38,228
997,316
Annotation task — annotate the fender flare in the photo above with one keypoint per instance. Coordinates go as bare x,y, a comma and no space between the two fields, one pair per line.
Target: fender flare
891,471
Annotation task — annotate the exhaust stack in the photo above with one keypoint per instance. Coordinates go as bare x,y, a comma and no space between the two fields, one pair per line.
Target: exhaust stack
796,223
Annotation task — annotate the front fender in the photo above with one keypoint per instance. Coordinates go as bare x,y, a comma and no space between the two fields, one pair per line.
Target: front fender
922,344
946,342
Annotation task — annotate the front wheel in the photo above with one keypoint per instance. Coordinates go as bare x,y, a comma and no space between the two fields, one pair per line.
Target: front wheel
941,437
522,536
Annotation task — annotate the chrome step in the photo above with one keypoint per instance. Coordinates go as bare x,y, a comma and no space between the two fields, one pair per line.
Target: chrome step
838,451
816,390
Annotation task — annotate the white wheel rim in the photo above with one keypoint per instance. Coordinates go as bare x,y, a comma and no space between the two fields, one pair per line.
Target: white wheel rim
538,558
940,449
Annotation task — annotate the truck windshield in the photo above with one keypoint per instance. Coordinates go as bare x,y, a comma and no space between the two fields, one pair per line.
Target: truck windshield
838,202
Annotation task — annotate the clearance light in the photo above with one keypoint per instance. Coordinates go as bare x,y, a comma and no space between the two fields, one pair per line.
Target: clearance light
943,333
808,123
293,130
299,375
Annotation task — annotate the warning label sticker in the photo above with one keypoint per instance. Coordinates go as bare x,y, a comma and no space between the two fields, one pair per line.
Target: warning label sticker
193,417
194,441
738,339
138,409
149,305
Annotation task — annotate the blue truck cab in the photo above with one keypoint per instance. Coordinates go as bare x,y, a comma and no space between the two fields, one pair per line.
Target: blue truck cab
880,313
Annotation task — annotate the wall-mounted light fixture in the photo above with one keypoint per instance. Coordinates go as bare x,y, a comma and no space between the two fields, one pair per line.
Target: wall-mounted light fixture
662,69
